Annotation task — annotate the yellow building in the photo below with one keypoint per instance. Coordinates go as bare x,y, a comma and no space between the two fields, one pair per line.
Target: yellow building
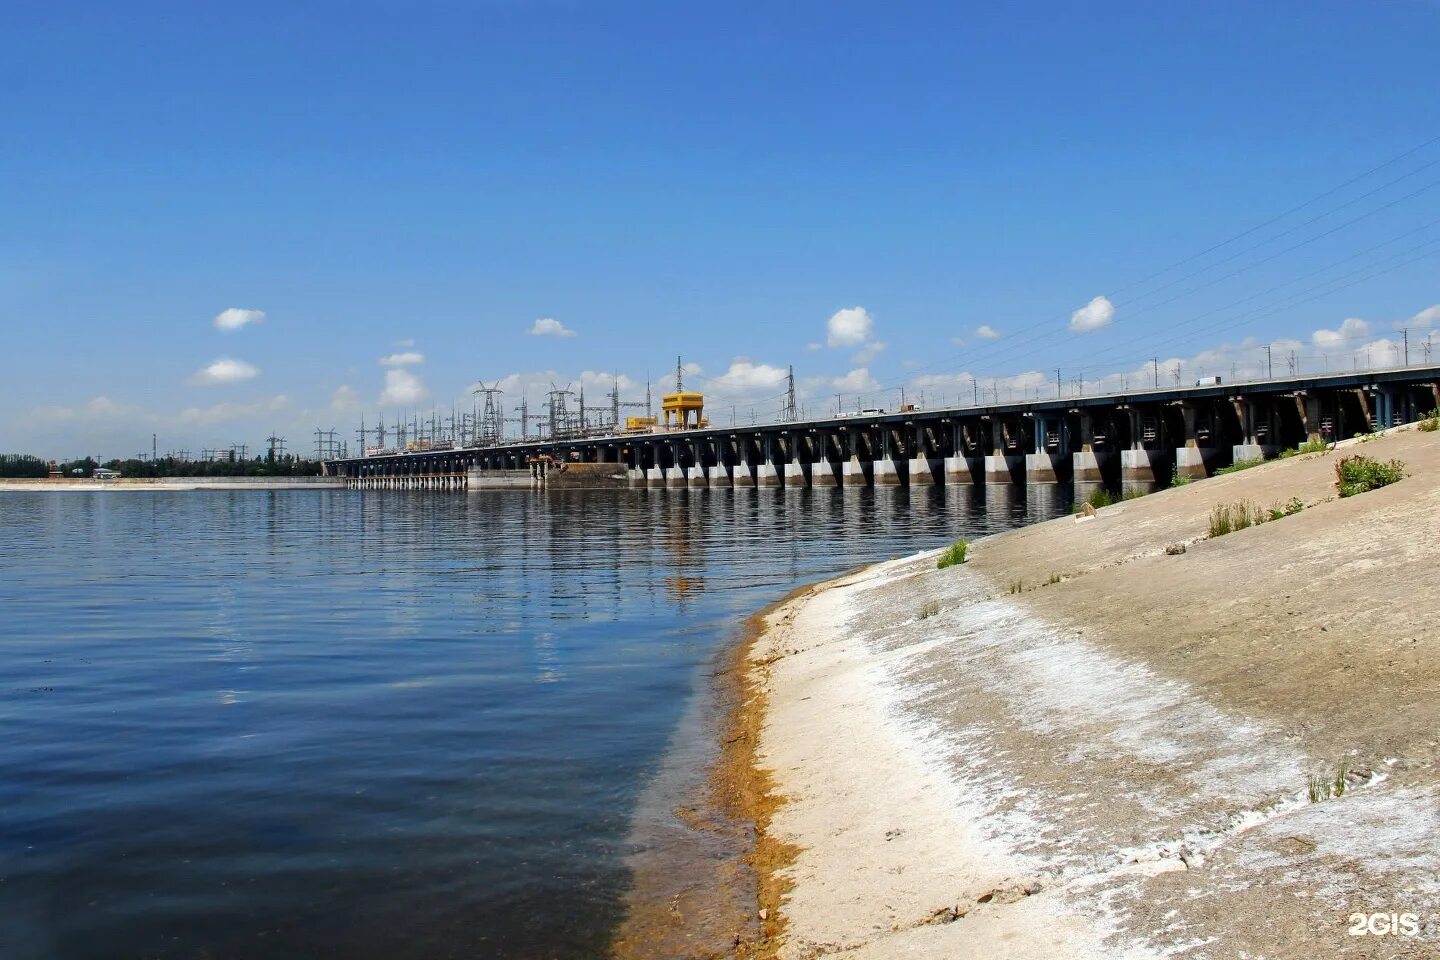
680,407
639,424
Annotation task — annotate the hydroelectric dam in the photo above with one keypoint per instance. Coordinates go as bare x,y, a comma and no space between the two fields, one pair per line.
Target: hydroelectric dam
1139,440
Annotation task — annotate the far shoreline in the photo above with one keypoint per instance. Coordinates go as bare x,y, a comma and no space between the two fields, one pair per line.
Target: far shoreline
169,484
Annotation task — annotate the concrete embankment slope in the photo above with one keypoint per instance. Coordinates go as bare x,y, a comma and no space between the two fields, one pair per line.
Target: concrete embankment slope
1080,745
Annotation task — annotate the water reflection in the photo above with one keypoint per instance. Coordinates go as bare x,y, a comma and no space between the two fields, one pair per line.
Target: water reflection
382,723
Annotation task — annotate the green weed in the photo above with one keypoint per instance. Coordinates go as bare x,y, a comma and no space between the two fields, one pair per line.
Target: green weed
1229,517
953,555
1309,446
1324,787
1280,510
1430,422
1239,465
1358,474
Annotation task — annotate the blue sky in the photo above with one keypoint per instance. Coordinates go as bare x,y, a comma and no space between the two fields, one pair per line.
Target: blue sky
716,181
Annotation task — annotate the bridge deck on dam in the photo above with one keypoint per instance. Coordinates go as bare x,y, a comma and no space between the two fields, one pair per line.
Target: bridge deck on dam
1138,440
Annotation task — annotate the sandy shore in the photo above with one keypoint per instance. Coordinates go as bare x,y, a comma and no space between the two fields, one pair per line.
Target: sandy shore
1095,748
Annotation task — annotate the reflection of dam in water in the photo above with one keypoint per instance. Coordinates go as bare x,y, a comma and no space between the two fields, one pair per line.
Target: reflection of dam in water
1139,440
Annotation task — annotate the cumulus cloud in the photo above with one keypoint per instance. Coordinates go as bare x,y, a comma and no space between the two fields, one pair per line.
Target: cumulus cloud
96,408
546,327
744,378
402,388
987,332
344,399
1094,315
224,412
1425,318
868,352
222,371
849,327
233,318
406,359
856,381
1353,328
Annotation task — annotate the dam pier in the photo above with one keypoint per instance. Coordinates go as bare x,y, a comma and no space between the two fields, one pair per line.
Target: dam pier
1140,440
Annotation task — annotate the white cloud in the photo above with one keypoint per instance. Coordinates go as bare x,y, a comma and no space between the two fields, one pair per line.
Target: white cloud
958,341
868,352
1352,329
225,412
407,359
849,327
812,347
1094,315
856,381
223,370
402,344
96,408
402,388
744,377
545,327
344,400
1425,318
987,332
233,318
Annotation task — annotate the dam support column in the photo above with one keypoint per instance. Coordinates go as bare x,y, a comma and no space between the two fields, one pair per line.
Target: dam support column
675,473
695,475
1198,457
794,469
655,472
922,467
1049,463
961,467
1259,426
1145,466
744,473
765,473
1091,464
1001,466
885,472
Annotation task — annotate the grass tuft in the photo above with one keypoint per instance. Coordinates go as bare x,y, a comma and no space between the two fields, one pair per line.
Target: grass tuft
928,609
954,554
1281,510
1309,446
1359,474
1229,517
1017,586
1239,465
1323,787
1431,421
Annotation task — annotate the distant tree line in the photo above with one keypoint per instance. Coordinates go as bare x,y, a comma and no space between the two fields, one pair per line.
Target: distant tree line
22,466
261,466
25,466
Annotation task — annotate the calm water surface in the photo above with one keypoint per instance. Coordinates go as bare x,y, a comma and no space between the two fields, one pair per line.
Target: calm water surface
342,724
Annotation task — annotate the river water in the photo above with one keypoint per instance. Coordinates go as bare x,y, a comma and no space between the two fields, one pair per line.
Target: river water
375,725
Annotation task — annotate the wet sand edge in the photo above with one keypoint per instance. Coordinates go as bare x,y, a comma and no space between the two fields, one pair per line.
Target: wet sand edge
739,789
